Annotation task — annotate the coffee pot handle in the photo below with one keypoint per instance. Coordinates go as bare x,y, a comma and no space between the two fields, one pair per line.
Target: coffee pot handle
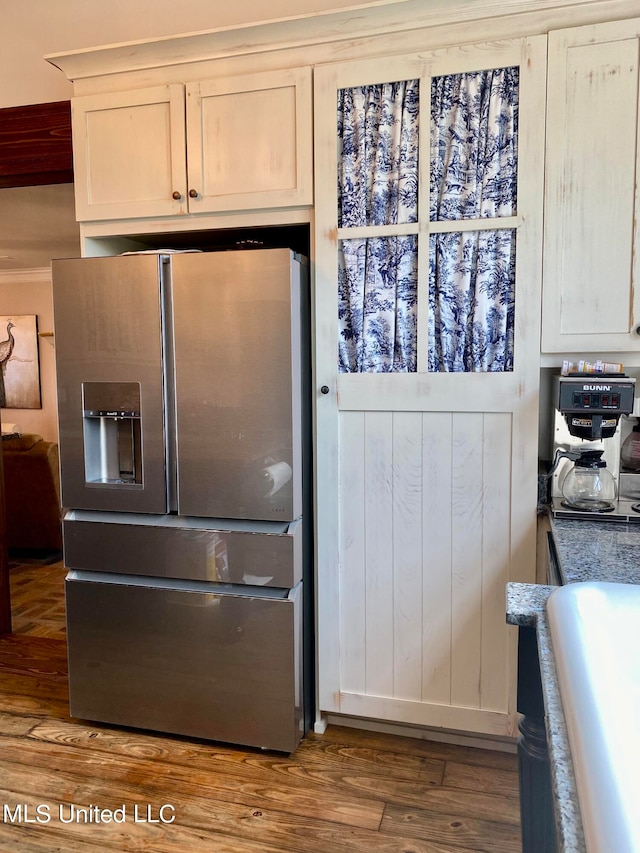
562,454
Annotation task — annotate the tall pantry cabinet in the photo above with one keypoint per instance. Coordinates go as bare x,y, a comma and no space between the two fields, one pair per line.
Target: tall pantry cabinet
426,478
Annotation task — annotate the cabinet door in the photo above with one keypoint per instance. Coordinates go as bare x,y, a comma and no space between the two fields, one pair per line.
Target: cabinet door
590,295
129,152
250,141
425,467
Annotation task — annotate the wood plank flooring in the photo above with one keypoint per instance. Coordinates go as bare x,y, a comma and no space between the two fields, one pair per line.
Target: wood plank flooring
348,791
37,598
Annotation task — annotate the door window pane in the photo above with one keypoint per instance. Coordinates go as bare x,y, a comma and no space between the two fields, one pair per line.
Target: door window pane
473,175
377,298
378,154
474,145
471,301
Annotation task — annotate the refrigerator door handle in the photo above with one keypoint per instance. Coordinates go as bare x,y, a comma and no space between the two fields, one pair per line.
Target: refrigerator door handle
169,378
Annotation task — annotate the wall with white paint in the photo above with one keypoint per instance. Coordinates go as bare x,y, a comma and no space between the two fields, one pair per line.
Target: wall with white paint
30,29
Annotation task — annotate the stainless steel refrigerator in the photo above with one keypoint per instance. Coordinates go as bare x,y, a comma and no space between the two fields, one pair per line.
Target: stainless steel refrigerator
184,453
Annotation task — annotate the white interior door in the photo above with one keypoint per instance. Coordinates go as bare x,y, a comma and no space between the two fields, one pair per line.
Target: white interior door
426,481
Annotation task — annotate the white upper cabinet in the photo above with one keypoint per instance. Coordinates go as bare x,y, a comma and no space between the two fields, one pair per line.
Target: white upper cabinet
129,153
591,301
249,142
246,144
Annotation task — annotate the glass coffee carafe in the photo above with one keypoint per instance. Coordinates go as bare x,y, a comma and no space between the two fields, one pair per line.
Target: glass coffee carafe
630,450
589,486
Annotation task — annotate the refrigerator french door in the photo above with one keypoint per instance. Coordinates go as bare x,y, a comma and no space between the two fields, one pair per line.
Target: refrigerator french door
183,431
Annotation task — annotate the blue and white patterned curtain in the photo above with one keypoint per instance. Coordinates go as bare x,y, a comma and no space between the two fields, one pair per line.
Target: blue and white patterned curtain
474,139
474,143
378,185
377,285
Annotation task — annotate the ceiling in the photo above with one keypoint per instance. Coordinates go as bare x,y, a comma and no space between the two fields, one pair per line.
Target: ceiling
36,225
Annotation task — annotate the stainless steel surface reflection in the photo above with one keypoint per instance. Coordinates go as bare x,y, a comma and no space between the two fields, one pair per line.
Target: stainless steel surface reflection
214,664
183,387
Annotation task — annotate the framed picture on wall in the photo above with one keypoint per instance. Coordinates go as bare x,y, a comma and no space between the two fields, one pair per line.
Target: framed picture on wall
19,362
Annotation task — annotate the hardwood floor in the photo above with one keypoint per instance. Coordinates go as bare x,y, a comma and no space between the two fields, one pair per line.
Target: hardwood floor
37,598
348,791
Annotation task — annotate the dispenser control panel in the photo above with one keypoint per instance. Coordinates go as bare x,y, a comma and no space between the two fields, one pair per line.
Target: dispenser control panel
595,394
112,434
110,413
593,400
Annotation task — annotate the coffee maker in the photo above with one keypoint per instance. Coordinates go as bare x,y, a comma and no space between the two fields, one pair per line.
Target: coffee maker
586,440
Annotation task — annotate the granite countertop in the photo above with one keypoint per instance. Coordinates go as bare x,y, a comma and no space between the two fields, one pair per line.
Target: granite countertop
586,551
597,550
526,606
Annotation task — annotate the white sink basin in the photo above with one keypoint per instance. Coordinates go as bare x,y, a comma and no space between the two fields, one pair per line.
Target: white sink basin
595,630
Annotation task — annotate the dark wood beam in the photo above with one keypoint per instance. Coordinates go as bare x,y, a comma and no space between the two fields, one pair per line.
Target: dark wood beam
35,145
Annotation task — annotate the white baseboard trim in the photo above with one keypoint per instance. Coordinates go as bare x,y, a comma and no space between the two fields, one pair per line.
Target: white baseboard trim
320,725
494,742
37,275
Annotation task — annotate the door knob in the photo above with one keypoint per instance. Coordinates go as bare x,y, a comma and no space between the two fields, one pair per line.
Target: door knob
324,389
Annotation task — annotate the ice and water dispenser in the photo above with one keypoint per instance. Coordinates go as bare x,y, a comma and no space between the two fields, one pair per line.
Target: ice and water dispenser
111,426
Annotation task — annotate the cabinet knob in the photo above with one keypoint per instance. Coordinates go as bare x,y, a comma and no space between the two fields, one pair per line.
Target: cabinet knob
193,193
324,389
176,195
637,330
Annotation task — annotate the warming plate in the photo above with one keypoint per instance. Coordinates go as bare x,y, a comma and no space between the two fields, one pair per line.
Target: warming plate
622,512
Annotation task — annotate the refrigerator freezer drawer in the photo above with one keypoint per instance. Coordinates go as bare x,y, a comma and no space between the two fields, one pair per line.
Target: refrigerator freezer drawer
262,554
217,666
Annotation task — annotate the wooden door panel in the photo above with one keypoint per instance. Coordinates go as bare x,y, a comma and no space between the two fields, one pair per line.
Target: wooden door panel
437,519
229,123
249,141
352,578
590,302
407,490
122,128
376,450
605,92
129,150
425,516
500,442
466,558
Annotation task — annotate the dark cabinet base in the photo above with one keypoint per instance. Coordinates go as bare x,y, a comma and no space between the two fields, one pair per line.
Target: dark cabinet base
536,799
